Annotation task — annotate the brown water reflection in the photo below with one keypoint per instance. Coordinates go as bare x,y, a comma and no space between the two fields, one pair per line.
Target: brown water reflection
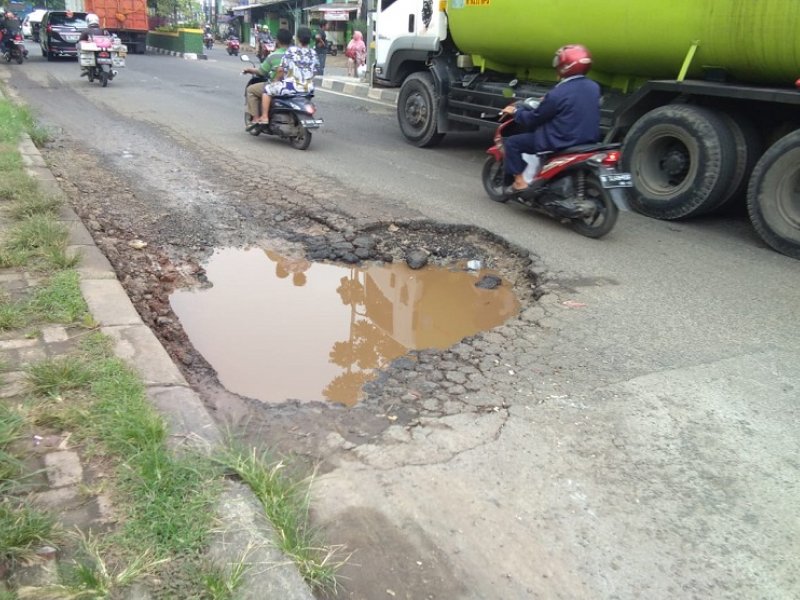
276,328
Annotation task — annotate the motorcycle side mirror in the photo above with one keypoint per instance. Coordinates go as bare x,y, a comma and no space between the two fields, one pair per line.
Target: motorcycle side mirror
244,58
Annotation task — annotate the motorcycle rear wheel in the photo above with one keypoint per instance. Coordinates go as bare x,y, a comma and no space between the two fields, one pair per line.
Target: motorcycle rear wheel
20,58
103,78
493,176
302,140
605,216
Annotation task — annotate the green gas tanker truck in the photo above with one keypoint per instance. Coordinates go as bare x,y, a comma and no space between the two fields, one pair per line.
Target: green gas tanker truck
703,94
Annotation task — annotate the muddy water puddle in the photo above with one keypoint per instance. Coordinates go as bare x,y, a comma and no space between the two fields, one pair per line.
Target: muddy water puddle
277,328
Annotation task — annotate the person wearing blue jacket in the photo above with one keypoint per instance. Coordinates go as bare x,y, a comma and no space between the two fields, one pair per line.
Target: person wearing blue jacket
568,115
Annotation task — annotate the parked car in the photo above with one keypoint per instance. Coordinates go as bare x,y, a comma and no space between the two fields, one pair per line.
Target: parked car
31,24
60,32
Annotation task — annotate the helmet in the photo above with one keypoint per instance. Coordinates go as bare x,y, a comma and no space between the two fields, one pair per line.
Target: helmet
572,60
92,20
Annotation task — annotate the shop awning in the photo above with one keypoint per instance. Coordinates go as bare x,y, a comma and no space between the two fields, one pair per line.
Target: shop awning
246,7
333,7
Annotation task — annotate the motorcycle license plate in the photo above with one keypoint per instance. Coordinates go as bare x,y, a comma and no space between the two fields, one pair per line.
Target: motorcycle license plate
615,180
103,61
312,123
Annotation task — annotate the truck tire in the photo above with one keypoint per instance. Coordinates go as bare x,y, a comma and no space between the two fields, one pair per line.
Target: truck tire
748,145
773,196
682,158
417,110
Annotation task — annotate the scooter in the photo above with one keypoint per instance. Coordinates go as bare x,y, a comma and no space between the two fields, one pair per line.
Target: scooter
580,186
208,40
17,51
265,50
233,46
290,117
100,57
331,48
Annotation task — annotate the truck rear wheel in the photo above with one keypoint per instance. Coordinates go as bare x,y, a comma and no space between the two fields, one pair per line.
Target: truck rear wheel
417,110
773,196
682,158
748,146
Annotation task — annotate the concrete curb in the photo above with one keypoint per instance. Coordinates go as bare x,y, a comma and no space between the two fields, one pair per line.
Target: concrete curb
244,535
353,87
186,55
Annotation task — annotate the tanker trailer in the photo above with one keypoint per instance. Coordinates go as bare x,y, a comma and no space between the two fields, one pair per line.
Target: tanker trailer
701,93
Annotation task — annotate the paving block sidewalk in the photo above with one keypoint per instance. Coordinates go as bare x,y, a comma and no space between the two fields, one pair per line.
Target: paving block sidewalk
66,483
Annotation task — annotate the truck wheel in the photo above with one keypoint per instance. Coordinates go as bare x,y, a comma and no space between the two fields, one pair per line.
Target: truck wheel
773,196
417,110
681,158
748,145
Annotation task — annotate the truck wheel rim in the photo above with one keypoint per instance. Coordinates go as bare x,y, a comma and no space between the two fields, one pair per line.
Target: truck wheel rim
787,197
665,165
416,110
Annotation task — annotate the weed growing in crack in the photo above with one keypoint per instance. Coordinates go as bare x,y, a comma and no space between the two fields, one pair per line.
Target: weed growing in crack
285,503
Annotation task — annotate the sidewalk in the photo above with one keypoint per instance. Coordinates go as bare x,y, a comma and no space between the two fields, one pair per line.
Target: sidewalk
68,487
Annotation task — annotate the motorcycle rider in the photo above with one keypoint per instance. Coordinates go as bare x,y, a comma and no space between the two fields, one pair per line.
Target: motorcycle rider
10,28
93,24
568,115
295,75
266,69
264,41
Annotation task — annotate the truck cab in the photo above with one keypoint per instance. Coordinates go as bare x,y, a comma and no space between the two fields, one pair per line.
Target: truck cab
406,33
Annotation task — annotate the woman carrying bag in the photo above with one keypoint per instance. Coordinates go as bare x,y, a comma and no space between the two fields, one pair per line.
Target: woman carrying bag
356,54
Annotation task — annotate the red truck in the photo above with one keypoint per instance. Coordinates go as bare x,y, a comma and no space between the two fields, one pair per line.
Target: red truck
127,19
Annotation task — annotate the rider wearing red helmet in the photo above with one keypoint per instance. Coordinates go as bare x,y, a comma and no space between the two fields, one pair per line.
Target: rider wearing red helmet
568,115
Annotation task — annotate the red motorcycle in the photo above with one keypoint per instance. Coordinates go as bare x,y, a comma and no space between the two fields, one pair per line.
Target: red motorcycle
233,46
578,185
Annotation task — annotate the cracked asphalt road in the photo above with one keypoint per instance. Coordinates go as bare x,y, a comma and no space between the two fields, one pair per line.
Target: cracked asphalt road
632,434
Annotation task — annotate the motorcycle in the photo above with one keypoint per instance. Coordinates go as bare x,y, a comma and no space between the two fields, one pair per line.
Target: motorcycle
208,40
265,49
290,117
100,57
331,48
233,46
17,51
579,185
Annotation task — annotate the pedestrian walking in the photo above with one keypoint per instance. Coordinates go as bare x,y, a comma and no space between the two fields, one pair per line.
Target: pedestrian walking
321,46
356,54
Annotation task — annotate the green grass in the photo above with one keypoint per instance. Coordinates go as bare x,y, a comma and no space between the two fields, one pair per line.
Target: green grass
11,425
13,314
24,529
35,205
58,300
55,376
285,503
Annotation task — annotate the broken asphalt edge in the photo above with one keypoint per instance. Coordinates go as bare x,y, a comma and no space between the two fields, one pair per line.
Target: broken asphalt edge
244,534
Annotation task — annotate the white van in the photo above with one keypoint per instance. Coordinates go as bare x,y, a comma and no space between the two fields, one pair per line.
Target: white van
31,23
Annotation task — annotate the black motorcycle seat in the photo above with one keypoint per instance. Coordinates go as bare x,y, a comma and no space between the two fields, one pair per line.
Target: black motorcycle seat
589,148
